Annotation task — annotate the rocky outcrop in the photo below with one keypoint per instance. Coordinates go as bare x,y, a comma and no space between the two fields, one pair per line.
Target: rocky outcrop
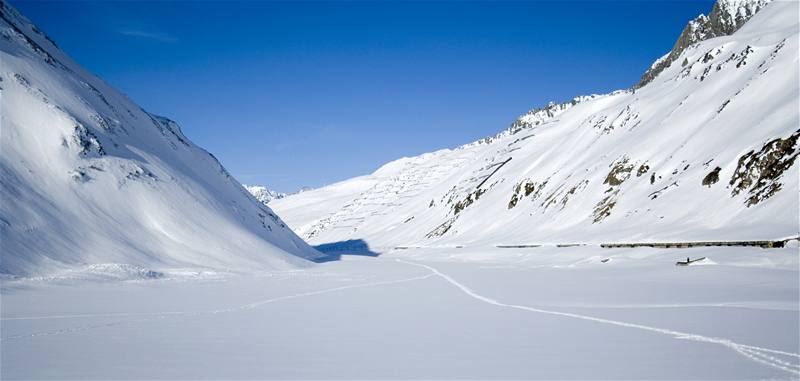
759,173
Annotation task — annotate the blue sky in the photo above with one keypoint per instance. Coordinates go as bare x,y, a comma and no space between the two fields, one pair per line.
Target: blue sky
292,94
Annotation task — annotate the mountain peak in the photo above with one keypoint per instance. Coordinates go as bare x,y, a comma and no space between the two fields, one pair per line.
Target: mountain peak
725,18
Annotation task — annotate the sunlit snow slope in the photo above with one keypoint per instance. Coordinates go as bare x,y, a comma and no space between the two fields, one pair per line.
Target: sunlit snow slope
705,150
90,178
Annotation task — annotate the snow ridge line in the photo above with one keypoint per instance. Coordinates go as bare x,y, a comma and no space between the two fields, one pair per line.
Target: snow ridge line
162,315
757,354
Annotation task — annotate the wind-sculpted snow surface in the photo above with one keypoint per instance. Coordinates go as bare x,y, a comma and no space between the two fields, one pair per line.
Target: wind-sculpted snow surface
89,178
705,151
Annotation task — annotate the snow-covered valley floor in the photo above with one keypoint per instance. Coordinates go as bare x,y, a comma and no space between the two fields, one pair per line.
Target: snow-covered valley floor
542,312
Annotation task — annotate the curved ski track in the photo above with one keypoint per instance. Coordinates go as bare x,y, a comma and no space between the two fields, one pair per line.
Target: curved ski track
758,354
765,356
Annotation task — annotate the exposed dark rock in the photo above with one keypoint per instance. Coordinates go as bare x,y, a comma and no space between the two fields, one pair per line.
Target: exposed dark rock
9,15
513,202
467,201
561,195
603,208
724,104
538,116
620,171
87,141
712,177
526,188
22,80
441,229
759,173
529,187
642,170
744,54
774,53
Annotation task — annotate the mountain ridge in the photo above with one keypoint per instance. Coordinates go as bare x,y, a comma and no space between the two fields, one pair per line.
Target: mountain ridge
627,157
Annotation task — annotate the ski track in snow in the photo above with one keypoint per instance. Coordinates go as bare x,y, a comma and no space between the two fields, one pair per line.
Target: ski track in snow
162,315
761,355
735,305
757,354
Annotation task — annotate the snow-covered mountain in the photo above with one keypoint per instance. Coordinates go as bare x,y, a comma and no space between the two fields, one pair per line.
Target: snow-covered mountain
703,148
264,194
91,179
725,18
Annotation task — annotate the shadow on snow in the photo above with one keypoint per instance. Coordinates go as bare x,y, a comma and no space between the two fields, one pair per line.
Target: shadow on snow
334,250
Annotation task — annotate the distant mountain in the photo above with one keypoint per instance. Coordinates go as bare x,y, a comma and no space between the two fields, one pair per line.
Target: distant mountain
263,194
91,179
703,148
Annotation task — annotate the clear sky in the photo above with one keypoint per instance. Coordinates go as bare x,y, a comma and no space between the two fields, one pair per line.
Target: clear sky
305,94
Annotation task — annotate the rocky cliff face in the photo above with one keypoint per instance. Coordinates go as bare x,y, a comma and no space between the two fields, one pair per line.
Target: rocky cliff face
725,18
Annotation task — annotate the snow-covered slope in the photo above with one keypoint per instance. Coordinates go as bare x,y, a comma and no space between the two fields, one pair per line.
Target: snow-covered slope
705,150
90,178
